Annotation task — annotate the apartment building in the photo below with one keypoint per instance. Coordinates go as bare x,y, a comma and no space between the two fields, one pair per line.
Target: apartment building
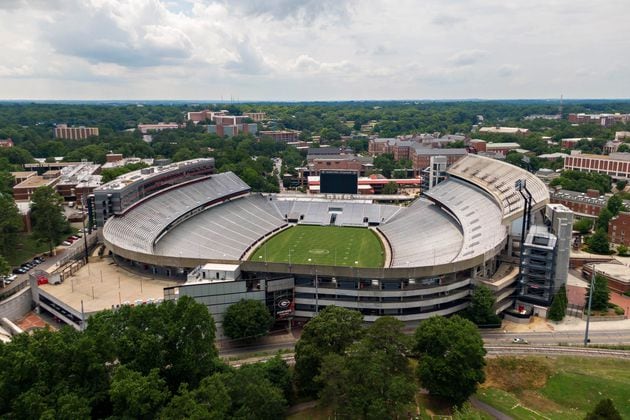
281,136
605,120
5,143
62,131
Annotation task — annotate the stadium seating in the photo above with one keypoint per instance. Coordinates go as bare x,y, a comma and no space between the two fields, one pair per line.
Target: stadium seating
224,231
349,213
499,178
139,226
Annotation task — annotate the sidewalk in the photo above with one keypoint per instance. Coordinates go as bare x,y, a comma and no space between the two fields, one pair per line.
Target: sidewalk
568,324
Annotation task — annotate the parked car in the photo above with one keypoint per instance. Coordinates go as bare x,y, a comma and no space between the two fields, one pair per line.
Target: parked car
19,270
75,237
519,340
66,243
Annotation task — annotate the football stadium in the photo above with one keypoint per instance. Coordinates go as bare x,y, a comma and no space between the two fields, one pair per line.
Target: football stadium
299,253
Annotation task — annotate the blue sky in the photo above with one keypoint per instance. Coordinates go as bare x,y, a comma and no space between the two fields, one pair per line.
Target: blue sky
314,49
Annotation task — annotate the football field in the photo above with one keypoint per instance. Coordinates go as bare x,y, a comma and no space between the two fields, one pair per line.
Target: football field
323,245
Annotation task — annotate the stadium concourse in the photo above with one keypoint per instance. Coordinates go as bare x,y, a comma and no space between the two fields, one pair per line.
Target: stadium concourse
203,230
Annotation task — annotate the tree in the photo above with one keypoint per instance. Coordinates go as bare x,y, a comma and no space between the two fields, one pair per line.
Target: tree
604,410
135,395
390,188
6,183
451,357
603,219
615,204
332,331
10,225
49,223
601,293
598,243
5,268
622,250
183,331
247,319
559,304
583,226
372,379
481,310
621,184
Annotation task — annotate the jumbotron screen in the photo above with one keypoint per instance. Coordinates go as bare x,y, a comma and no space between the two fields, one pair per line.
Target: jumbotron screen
338,182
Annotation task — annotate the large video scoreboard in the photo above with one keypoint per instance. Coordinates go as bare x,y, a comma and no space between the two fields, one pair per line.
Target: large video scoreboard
338,182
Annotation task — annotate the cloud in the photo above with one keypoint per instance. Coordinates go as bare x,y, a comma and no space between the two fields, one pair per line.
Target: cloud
306,64
302,10
507,70
466,58
249,60
443,19
16,71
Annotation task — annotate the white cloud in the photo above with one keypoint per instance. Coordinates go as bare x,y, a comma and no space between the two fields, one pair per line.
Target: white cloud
312,49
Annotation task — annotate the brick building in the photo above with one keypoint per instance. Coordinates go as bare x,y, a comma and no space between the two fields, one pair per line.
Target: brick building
619,229
605,120
587,204
5,143
616,165
62,131
570,143
147,128
418,153
25,189
281,136
255,116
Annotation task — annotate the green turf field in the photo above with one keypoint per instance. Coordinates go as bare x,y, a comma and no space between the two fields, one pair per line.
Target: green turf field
323,245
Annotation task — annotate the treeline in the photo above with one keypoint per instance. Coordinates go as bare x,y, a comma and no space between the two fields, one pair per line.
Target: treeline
150,361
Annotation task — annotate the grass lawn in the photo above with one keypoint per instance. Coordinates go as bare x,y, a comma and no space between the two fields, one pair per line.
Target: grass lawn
323,245
555,388
26,249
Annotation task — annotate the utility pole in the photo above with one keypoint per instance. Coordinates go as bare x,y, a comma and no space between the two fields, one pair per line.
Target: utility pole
588,314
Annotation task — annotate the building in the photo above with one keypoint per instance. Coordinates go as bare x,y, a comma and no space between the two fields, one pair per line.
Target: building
225,128
619,229
587,204
620,135
605,120
616,165
504,130
204,116
25,189
255,116
77,182
418,153
21,176
62,131
570,143
281,136
435,173
5,143
616,273
545,257
117,196
502,148
161,126
440,247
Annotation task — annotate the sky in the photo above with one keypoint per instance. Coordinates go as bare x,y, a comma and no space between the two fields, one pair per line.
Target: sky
303,50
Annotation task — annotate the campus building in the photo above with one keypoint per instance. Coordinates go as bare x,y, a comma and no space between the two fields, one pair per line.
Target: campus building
616,165
62,131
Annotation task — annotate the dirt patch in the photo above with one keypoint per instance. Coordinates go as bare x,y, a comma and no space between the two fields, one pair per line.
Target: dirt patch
517,374
535,401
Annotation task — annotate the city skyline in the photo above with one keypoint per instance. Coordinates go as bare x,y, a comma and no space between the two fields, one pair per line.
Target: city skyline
311,50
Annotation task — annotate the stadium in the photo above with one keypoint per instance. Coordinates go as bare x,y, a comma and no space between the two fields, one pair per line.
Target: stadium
302,253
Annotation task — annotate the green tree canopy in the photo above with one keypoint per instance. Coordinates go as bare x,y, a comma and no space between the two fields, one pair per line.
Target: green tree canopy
372,379
601,293
247,319
604,410
5,268
582,181
49,222
481,310
615,204
559,304
10,225
603,219
332,331
135,395
451,357
390,188
598,242
583,226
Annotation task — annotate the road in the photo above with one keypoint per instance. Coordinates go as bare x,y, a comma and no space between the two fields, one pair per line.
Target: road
491,339
62,251
557,337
